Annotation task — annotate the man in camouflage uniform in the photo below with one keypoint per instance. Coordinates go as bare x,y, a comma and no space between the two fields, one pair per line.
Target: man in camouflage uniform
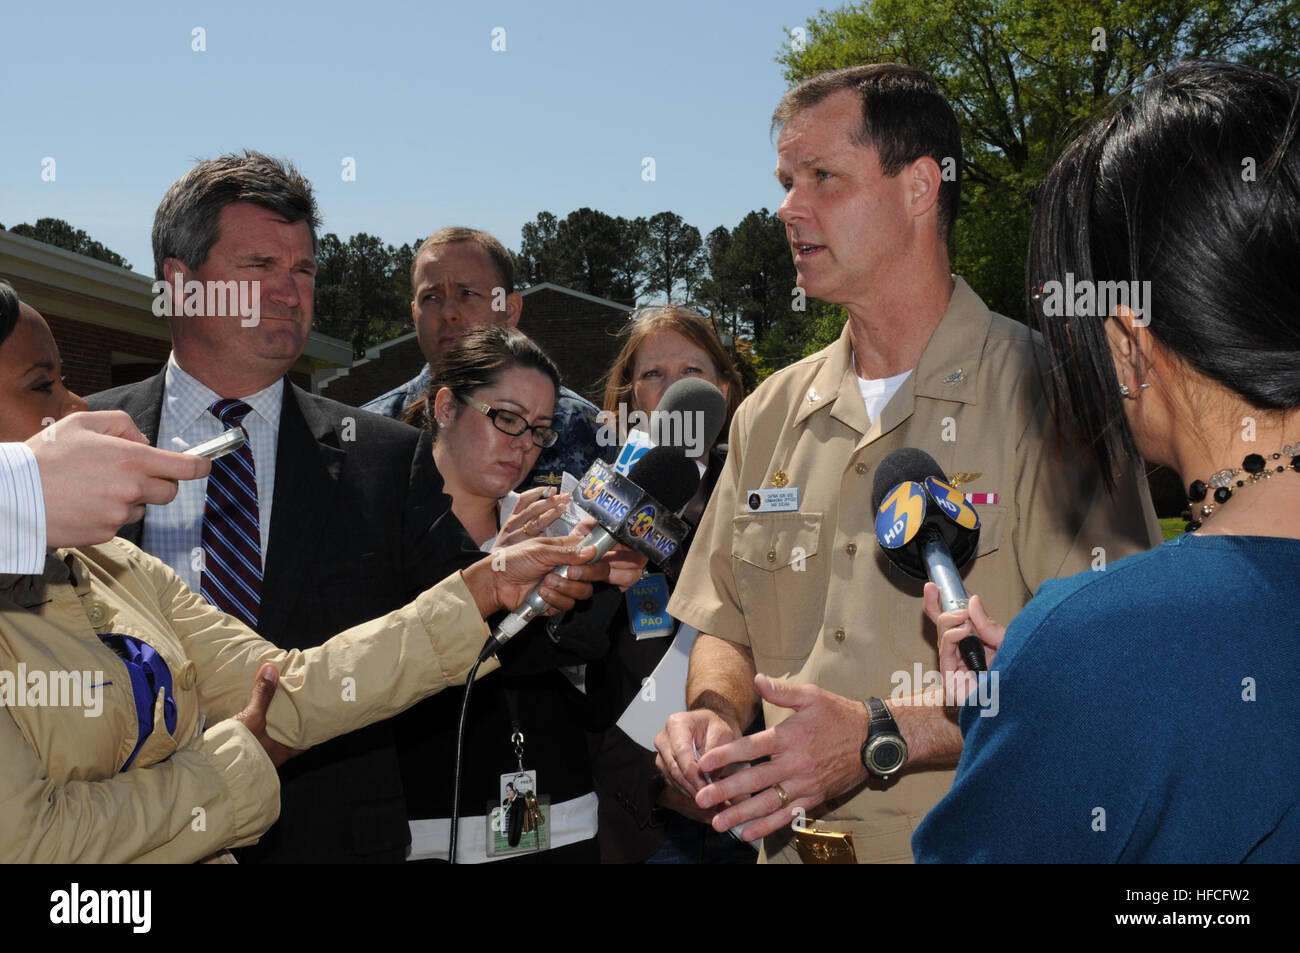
462,278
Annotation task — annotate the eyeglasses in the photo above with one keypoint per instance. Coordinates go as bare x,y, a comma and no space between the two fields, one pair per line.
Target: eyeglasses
511,423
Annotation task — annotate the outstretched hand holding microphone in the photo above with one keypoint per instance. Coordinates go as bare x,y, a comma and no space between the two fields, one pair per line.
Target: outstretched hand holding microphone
926,529
98,472
955,627
635,510
632,502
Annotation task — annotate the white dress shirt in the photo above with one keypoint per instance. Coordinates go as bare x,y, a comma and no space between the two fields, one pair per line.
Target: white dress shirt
174,532
22,511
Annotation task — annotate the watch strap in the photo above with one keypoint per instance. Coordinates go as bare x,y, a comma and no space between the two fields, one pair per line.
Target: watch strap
880,716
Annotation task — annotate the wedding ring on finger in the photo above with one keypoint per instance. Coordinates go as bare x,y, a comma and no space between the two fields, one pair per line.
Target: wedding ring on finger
780,792
531,528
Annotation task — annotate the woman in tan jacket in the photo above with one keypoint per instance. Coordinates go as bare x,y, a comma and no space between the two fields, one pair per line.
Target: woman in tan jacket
128,732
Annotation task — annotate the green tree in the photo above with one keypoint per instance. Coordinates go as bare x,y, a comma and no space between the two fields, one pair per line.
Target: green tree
362,290
537,259
588,251
1024,76
403,258
672,253
55,231
719,292
629,269
751,289
590,244
743,359
760,266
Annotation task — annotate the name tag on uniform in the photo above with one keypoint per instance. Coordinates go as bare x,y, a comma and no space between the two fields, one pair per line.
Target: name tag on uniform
773,500
647,607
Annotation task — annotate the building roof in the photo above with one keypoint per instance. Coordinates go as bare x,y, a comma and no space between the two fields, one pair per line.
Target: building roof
75,286
548,286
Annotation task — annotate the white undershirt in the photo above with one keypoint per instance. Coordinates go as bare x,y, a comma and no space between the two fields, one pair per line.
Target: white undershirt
876,393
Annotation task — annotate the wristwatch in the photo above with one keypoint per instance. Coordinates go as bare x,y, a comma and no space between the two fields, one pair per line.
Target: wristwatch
884,751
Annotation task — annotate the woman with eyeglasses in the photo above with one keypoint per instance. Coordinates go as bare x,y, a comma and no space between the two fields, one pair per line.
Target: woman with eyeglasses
639,817
488,408
1146,711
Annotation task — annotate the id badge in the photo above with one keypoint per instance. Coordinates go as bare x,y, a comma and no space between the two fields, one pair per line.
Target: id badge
520,822
647,607
783,499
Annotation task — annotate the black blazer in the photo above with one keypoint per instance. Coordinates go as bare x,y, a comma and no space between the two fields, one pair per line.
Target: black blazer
626,780
359,526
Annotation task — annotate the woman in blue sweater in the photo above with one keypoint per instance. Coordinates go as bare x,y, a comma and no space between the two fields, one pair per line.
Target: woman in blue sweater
1147,711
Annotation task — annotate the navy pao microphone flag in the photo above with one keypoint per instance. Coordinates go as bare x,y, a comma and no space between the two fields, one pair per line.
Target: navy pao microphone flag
928,530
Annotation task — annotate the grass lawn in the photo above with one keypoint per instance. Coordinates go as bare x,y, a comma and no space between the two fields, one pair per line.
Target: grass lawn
1172,527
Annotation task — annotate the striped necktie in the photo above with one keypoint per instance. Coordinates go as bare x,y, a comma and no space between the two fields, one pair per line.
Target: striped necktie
232,535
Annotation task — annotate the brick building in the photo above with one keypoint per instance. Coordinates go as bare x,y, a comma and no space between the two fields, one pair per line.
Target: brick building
579,331
102,318
383,368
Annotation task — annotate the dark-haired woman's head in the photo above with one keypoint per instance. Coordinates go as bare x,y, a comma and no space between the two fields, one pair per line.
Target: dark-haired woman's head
1162,258
9,308
32,394
489,382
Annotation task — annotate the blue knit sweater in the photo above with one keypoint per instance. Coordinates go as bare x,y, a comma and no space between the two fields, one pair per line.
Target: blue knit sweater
1148,712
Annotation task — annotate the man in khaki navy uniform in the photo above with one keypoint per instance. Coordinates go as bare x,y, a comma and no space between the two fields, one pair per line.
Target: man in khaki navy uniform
801,592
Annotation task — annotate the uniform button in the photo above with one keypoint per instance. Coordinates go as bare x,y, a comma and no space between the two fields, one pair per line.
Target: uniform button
189,675
839,635
96,613
851,548
771,555
861,467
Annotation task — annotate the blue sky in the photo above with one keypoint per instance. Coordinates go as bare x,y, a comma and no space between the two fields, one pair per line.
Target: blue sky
444,129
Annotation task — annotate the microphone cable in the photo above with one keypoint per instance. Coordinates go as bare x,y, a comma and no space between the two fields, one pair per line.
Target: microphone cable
460,752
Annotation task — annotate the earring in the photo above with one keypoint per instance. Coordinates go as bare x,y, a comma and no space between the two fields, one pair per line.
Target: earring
1123,389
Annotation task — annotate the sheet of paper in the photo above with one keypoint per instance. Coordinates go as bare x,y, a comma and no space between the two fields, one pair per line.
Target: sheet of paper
662,694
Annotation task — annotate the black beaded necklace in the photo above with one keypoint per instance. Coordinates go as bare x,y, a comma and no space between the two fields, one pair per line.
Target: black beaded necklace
1256,468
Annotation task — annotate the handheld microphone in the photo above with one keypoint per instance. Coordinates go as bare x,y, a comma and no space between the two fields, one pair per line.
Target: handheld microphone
636,510
928,530
689,417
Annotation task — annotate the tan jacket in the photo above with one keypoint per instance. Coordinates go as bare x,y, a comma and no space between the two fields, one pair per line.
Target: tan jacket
811,593
190,792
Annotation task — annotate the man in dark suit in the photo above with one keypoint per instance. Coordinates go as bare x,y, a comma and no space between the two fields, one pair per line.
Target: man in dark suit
329,516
